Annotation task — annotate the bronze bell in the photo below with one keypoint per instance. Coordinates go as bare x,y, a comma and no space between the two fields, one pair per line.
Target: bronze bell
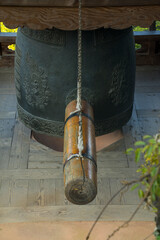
46,76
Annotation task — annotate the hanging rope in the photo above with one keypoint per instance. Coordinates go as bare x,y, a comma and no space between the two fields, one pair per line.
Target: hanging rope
79,89
79,82
78,110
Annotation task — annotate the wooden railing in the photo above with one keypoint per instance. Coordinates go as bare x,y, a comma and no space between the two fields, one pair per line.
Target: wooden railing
6,55
149,51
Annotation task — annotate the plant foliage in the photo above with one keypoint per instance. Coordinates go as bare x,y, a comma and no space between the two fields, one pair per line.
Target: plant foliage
147,152
147,155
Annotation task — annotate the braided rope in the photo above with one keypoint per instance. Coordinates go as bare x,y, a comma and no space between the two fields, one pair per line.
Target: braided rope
79,82
79,90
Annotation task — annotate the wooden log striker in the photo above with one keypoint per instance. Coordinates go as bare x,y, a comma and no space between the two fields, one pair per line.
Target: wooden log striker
80,176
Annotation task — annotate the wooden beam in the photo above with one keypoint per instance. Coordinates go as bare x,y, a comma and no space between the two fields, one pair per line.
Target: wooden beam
149,53
153,26
147,35
8,37
67,18
73,3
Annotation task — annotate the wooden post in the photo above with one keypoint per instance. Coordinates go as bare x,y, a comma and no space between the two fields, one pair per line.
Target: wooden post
153,26
80,175
0,50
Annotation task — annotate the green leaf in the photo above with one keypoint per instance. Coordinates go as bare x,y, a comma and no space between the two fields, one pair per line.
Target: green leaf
154,209
153,172
154,187
153,141
137,154
158,191
139,143
140,193
146,136
155,148
144,170
149,152
158,237
138,46
134,186
153,196
129,150
145,148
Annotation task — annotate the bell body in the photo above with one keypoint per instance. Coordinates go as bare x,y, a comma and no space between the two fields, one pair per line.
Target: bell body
46,77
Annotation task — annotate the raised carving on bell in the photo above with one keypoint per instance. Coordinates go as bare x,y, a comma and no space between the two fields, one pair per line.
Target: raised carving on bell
35,85
117,91
18,56
40,125
49,72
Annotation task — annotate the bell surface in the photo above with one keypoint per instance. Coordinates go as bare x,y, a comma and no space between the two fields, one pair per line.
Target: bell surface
46,77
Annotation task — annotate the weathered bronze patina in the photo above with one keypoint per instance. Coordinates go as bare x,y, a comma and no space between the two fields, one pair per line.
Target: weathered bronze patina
46,75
